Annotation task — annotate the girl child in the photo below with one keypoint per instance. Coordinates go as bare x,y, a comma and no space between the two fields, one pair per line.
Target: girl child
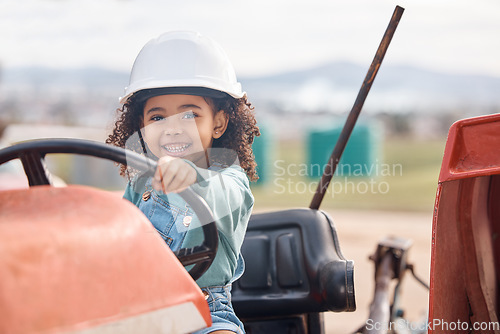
185,109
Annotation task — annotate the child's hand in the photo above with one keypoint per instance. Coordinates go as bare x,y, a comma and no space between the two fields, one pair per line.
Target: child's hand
173,175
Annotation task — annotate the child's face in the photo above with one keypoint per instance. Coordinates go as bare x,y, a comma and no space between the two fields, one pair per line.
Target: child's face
181,126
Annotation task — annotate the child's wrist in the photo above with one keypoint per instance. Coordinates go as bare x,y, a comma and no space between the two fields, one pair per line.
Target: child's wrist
199,177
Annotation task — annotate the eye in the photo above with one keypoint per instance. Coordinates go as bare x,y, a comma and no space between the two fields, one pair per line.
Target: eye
189,115
156,118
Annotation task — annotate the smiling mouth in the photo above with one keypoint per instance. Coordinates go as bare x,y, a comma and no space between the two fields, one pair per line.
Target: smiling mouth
176,148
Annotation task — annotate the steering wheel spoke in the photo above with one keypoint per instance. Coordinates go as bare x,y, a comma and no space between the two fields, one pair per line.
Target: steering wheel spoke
188,256
35,168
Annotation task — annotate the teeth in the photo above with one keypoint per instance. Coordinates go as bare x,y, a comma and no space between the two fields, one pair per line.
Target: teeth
176,148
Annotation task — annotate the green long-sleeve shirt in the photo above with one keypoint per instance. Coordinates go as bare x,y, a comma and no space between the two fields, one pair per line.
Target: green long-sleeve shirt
227,193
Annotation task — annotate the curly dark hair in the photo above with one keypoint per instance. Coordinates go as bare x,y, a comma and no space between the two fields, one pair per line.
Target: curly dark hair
238,137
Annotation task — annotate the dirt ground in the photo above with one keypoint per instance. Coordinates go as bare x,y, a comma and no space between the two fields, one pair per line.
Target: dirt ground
359,233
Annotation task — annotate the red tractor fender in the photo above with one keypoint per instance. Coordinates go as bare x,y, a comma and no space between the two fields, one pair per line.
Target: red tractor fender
465,255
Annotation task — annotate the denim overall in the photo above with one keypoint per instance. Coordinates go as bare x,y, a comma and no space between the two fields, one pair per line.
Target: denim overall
172,218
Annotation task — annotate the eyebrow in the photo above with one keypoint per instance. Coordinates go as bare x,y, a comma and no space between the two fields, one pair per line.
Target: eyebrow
184,106
154,109
188,106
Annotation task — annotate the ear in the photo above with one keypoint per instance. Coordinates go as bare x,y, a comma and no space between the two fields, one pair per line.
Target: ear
220,124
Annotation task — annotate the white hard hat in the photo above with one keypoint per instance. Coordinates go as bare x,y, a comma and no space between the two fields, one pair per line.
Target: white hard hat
182,59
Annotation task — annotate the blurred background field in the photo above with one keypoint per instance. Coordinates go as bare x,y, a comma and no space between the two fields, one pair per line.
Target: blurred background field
413,189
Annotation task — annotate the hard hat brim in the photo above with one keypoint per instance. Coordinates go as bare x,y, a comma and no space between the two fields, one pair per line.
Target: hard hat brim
145,94
185,90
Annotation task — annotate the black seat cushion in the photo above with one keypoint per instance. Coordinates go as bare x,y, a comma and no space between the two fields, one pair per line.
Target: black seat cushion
293,265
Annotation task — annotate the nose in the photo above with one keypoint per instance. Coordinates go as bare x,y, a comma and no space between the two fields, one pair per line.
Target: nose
172,127
172,131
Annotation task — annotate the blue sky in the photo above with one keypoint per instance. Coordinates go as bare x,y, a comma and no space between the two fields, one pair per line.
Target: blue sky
260,36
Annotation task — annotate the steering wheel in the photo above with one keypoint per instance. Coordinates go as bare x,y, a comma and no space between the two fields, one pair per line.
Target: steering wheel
32,155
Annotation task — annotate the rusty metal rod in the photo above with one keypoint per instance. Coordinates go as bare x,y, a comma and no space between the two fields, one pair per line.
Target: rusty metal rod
355,111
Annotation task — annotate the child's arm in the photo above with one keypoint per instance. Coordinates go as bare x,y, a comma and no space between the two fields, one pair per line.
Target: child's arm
227,192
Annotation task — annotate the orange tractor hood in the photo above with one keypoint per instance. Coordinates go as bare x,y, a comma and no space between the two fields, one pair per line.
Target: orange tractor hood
76,258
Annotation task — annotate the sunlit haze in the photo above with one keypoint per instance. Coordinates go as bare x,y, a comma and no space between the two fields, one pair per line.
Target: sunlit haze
261,37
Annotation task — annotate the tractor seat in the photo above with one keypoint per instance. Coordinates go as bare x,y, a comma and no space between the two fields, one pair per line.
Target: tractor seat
294,265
